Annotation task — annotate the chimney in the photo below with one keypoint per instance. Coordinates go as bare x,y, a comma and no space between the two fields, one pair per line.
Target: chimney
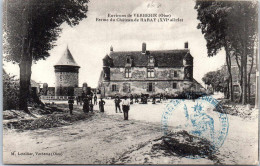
111,48
143,48
186,45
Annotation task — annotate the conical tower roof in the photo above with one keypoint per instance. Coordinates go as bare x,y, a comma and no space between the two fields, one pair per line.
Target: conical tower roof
67,59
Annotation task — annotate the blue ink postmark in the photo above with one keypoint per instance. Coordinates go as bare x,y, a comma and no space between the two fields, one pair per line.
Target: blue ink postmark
204,118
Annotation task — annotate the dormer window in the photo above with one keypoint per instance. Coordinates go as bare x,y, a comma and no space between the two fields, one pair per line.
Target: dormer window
128,61
150,59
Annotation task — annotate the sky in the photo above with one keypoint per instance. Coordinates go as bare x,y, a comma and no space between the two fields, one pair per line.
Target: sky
90,41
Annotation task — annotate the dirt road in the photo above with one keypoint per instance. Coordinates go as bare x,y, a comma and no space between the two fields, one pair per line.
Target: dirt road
106,138
99,140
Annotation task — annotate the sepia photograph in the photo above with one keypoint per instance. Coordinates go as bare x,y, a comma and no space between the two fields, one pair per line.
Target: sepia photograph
145,82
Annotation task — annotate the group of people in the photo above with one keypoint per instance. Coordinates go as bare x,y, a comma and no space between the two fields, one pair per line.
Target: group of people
144,98
83,98
87,103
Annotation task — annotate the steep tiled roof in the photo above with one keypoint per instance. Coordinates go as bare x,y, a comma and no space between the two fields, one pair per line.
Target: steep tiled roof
66,59
163,58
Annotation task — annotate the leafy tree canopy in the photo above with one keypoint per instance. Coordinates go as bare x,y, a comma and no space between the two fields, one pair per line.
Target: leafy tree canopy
227,23
32,26
216,79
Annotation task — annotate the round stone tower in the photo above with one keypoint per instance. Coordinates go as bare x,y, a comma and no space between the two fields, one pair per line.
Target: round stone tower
66,73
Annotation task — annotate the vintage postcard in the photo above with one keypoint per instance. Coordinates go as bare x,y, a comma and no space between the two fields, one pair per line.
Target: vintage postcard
130,82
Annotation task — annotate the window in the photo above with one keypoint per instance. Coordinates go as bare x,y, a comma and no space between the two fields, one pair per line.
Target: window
126,87
150,87
114,88
128,73
174,85
150,59
150,73
175,74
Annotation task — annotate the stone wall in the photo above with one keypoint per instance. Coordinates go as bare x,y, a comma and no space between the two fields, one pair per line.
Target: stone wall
138,87
65,80
162,82
140,73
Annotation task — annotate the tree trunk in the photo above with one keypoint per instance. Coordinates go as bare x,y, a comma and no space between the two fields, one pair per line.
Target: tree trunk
25,75
244,58
228,91
240,75
244,78
249,75
241,80
26,60
25,81
228,62
256,83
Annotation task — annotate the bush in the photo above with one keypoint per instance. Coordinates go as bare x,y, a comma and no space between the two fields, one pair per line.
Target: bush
10,92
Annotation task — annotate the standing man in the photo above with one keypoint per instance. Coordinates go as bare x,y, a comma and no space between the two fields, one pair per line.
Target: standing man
95,99
131,99
136,98
86,104
154,100
91,96
83,95
91,105
101,105
77,100
161,97
71,102
80,100
117,103
142,98
126,107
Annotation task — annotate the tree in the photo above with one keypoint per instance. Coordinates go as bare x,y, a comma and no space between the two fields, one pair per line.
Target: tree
216,79
213,25
232,26
31,28
243,33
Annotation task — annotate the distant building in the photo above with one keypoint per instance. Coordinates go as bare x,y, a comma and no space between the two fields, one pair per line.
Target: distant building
66,73
147,72
67,80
